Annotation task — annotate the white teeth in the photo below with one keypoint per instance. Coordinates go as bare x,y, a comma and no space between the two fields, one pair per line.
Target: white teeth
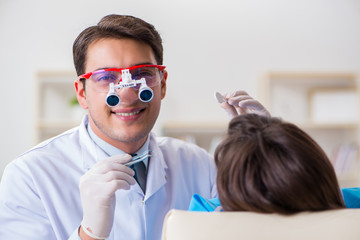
127,114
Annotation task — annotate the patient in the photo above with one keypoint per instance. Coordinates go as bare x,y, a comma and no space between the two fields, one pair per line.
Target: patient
267,165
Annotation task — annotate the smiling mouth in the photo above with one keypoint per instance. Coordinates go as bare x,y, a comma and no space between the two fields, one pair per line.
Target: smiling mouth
128,114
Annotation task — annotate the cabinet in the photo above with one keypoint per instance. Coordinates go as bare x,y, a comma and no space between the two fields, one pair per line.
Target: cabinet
326,106
55,110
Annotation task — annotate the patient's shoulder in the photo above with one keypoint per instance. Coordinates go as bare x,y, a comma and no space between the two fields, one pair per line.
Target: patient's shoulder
198,203
351,197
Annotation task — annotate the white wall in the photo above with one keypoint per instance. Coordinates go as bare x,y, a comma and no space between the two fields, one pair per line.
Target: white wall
209,45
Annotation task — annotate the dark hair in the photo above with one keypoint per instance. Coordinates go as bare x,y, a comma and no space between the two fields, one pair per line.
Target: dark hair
270,166
118,27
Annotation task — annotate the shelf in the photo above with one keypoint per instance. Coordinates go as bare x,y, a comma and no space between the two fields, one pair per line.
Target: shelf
54,111
326,106
328,126
206,135
43,124
180,127
62,77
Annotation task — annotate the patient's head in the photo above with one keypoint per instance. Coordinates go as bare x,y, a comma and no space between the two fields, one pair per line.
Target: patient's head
267,165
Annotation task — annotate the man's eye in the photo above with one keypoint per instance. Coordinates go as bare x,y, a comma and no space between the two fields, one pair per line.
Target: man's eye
143,74
106,78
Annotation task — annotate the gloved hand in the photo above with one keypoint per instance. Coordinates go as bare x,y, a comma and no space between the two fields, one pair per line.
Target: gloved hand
97,191
240,102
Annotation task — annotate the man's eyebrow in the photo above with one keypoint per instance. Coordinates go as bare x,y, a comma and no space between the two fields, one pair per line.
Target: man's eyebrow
101,69
138,64
144,63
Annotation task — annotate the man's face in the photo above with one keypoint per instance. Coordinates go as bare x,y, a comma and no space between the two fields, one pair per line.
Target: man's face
127,125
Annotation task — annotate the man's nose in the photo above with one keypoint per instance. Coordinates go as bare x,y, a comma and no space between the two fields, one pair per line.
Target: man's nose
128,95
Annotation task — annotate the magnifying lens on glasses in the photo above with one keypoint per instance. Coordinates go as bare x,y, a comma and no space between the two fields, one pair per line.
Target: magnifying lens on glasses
146,94
112,98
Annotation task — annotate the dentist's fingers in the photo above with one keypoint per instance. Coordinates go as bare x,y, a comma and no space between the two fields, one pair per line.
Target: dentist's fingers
239,102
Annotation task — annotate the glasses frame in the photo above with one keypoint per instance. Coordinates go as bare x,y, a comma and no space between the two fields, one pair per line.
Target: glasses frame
89,74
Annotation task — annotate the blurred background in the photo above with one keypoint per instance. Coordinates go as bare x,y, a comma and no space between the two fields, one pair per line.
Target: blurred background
288,54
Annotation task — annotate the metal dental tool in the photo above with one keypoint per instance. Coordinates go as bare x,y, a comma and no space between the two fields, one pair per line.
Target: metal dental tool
139,158
219,97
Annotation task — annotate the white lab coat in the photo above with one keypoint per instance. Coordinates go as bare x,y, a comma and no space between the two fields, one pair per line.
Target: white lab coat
40,199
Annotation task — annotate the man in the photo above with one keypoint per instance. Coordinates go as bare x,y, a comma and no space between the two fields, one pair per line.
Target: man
80,184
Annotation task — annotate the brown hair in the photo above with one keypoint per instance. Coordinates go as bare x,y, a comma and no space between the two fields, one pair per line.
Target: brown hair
119,27
270,166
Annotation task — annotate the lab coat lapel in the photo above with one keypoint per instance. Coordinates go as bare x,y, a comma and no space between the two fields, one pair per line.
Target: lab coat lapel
91,153
156,177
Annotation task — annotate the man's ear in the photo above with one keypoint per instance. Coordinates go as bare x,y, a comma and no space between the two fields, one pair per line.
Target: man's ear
80,93
163,84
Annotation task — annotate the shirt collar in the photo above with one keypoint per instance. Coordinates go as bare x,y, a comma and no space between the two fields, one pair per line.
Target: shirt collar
111,150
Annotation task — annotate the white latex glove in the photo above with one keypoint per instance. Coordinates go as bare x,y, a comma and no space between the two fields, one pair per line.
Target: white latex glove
97,191
240,102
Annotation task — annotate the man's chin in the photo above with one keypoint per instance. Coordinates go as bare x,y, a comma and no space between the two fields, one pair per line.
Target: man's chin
128,137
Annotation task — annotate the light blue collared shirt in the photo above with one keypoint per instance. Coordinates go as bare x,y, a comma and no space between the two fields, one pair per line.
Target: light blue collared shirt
113,151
